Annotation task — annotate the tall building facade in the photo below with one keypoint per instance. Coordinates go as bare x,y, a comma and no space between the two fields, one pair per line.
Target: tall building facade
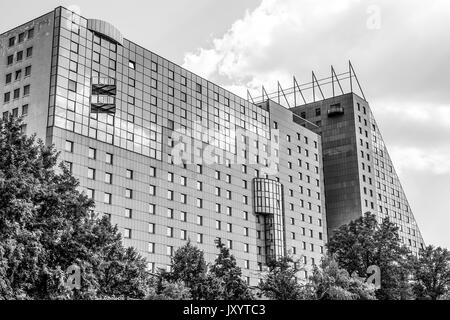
359,174
166,154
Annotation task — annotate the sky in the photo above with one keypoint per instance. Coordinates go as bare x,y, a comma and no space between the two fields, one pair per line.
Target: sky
400,50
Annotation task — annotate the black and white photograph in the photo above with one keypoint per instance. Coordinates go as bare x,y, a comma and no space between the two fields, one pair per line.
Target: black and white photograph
224,159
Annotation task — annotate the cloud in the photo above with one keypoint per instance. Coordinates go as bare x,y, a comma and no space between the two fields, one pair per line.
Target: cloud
400,48
436,161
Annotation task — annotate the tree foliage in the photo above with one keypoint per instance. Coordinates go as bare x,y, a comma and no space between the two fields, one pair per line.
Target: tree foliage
221,281
46,225
281,282
330,282
363,243
432,273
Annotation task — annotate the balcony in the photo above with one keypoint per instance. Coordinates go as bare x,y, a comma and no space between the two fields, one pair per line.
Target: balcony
103,104
335,110
103,86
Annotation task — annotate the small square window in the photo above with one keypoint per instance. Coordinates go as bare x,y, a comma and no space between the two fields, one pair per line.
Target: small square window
154,66
72,86
8,78
108,198
27,71
108,178
19,56
129,174
12,41
69,146
10,60
92,153
132,65
91,173
30,33
24,110
127,233
129,193
128,213
109,158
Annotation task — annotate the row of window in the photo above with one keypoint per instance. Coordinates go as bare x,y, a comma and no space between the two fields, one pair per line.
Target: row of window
16,94
15,112
17,75
20,38
19,56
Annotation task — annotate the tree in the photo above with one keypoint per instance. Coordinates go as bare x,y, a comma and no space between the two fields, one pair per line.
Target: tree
226,272
188,266
330,282
46,225
161,289
363,243
281,282
432,273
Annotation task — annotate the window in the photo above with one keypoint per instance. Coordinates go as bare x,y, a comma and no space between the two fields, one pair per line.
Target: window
69,146
24,110
151,247
151,228
30,33
96,57
216,96
112,64
11,41
199,238
169,232
21,37
91,173
183,216
19,56
108,198
26,90
27,71
154,66
199,186
171,75
92,153
152,172
199,203
183,81
132,64
199,220
10,60
15,112
151,208
152,190
128,193
72,86
127,233
7,97
90,193
8,78
198,87
169,250
17,93
108,178
109,158
129,174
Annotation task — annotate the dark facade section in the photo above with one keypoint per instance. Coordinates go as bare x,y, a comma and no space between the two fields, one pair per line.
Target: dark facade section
337,128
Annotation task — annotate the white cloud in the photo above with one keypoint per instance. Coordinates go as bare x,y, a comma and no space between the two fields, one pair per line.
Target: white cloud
281,38
436,161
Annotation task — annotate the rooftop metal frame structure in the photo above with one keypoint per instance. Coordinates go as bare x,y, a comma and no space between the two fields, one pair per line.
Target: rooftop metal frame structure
298,93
